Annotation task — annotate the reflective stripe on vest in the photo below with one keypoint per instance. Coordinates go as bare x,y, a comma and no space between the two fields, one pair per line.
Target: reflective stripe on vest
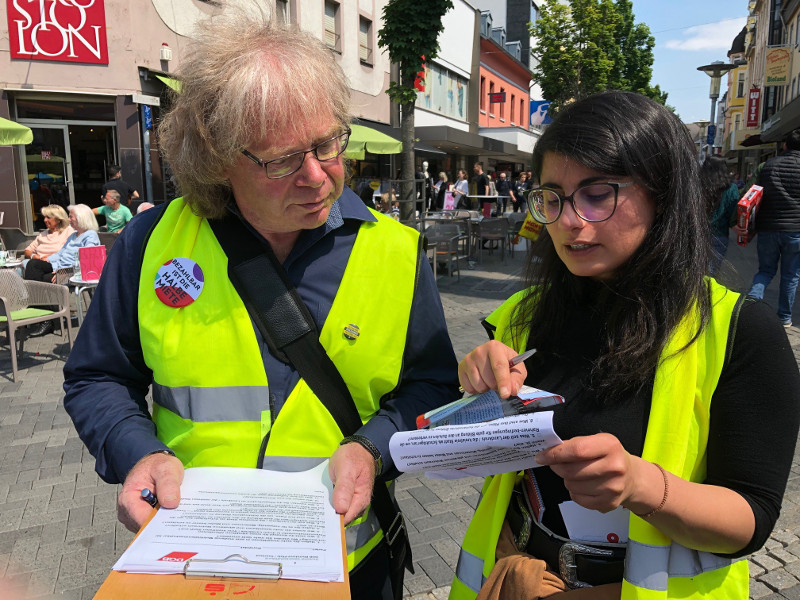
676,438
676,561
210,388
208,404
469,570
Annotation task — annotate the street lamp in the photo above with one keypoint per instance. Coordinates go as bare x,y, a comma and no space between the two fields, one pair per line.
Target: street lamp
715,70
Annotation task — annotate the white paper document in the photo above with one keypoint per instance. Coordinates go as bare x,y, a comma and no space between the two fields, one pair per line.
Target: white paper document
264,516
453,451
587,525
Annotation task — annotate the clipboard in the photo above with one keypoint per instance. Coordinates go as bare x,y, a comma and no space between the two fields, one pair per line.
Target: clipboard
201,584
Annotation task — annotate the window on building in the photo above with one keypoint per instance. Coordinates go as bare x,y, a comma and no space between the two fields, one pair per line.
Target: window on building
503,106
797,31
491,91
365,40
513,107
332,35
740,84
794,81
483,94
522,119
282,12
737,122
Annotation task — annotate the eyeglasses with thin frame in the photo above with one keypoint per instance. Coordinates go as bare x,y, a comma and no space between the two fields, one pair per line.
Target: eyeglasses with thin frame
594,203
283,166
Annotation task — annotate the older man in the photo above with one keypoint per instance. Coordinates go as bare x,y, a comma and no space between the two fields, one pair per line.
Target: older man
253,145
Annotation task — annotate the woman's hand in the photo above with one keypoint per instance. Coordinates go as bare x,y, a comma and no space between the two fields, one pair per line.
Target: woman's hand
600,474
486,368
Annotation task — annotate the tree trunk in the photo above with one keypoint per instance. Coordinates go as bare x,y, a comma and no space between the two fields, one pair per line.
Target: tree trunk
408,190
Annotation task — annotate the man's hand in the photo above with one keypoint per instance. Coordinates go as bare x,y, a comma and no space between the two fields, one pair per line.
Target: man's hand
162,474
486,368
352,471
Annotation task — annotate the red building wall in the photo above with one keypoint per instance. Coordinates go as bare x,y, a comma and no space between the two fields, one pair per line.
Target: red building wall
499,71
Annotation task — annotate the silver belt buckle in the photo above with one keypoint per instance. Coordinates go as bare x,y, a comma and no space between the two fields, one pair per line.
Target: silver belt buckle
567,565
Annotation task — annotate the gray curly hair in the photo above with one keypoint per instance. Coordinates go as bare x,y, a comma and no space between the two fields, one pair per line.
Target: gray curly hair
244,80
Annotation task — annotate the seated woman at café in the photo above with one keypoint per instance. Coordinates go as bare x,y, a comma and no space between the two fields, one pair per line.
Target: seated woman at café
85,225
51,239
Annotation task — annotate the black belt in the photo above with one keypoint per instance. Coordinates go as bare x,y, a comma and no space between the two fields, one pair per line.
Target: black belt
579,564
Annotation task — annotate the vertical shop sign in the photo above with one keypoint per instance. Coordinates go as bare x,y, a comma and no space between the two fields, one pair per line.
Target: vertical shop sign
63,31
753,104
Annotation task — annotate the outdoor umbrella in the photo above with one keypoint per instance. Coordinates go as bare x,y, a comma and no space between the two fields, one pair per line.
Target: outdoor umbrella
365,139
14,133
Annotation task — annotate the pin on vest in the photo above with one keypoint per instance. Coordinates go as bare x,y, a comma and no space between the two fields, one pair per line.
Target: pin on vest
351,332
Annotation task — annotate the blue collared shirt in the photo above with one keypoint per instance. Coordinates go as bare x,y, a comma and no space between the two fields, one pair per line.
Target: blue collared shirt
65,257
106,379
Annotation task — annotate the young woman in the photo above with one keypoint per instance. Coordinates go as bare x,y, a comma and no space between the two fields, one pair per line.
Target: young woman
672,382
461,190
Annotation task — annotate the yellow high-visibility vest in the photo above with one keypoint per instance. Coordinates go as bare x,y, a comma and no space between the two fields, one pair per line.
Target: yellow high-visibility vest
210,391
656,568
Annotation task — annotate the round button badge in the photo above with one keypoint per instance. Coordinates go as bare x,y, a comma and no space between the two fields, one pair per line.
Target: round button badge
179,282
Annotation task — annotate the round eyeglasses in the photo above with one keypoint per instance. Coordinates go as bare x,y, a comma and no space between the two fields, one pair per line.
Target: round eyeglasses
594,203
283,166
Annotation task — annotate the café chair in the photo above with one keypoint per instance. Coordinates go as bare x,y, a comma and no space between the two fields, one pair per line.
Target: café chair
13,238
24,303
450,244
492,230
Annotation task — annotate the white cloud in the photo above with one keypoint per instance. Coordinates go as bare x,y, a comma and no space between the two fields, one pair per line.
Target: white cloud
711,36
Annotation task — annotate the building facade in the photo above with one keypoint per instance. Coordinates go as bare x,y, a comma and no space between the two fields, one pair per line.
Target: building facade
92,94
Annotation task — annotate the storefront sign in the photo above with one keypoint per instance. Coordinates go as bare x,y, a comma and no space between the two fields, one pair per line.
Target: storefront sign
753,105
777,65
63,31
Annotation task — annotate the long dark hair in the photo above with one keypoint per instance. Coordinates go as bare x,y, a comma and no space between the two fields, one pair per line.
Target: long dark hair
715,180
625,134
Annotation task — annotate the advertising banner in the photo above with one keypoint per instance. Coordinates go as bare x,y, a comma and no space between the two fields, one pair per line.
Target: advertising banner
753,106
777,65
64,31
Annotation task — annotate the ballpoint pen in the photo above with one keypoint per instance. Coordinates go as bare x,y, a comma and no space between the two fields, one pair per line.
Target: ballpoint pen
149,497
521,357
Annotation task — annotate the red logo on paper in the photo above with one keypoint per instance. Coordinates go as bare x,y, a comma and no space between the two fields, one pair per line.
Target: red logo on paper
178,556
64,31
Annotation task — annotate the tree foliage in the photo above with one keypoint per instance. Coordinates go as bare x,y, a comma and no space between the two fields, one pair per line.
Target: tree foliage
588,46
410,32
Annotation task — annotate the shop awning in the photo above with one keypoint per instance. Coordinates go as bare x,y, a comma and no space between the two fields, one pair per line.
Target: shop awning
365,139
171,83
13,133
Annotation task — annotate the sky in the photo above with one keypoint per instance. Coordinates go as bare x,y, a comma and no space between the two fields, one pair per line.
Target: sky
689,34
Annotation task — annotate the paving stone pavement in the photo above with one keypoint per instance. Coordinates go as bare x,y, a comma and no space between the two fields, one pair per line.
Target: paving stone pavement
58,530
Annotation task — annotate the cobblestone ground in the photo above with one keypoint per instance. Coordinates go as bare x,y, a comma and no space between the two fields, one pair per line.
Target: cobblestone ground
58,530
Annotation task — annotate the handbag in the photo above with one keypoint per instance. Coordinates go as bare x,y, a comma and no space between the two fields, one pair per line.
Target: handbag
291,335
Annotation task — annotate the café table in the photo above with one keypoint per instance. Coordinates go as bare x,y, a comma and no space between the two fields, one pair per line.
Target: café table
80,286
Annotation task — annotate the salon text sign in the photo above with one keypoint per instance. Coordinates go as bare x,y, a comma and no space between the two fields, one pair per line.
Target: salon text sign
62,31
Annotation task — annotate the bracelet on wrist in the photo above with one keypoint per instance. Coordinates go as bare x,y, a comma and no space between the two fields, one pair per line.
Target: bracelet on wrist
649,514
369,447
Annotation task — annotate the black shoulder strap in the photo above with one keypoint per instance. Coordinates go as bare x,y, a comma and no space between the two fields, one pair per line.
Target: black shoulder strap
291,334
282,317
